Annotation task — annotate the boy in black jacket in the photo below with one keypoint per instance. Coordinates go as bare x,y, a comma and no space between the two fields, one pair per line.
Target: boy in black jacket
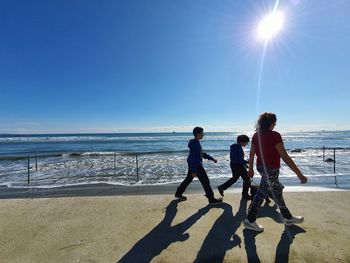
238,167
195,168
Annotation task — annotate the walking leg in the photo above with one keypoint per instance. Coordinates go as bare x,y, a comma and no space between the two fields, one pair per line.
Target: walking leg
258,199
203,178
185,183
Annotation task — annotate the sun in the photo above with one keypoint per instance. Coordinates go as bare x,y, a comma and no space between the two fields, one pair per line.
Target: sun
270,25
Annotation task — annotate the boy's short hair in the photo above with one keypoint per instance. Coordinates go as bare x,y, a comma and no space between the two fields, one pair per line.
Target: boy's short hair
242,138
197,130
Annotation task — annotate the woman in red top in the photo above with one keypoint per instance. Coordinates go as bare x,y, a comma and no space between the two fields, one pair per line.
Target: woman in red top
268,146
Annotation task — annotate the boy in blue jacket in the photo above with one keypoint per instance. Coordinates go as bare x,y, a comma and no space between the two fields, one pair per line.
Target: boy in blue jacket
195,168
238,167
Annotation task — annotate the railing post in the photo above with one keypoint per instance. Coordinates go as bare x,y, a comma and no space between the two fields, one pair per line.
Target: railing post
137,169
334,160
323,152
36,163
114,162
28,166
335,176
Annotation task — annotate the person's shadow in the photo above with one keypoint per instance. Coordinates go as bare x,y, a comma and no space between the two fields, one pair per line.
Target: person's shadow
249,235
250,246
283,247
162,235
221,236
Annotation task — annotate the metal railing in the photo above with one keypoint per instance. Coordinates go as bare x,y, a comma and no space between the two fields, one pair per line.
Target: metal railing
33,162
330,160
135,156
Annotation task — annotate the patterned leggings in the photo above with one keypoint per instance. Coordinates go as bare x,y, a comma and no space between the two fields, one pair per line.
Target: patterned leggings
269,183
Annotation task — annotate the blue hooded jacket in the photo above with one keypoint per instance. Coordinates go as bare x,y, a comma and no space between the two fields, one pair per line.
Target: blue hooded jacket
237,154
196,155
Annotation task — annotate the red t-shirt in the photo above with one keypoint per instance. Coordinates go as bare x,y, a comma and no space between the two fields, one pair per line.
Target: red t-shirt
267,155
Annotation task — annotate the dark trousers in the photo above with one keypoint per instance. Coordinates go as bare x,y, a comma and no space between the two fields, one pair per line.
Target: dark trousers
269,182
203,178
238,170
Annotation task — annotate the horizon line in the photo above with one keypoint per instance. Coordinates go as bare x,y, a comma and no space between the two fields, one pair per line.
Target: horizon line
155,132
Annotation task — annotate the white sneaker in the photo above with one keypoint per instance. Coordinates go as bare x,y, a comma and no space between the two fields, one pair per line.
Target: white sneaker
294,220
253,226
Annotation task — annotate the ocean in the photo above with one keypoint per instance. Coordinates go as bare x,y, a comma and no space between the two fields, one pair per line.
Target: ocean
153,158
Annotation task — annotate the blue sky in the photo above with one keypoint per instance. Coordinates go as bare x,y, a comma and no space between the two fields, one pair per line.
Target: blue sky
161,65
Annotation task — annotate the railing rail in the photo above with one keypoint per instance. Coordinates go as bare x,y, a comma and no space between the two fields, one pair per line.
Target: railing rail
137,174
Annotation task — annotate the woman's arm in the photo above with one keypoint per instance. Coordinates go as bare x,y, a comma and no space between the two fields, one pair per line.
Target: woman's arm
286,158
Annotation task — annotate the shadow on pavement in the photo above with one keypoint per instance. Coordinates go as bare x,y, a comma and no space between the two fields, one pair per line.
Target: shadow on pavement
221,236
160,237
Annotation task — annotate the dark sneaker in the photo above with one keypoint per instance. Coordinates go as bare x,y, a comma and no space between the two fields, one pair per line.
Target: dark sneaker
221,191
246,197
181,197
215,201
253,226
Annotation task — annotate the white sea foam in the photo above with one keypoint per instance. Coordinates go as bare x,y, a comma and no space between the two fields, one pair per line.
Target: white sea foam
151,168
85,159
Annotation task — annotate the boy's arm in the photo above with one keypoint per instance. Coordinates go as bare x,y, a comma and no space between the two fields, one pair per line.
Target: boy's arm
208,157
243,161
251,161
286,158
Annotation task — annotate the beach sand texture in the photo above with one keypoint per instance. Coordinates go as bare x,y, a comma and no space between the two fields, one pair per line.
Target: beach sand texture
156,228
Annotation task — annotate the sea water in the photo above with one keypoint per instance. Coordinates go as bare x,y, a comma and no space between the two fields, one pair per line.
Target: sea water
153,158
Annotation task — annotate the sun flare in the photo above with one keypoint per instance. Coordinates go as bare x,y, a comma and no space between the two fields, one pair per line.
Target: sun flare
270,25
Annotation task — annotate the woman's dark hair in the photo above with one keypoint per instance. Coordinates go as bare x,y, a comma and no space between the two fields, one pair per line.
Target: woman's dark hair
242,138
197,130
265,121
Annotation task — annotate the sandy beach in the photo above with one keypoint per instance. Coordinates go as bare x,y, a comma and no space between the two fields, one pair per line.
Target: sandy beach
143,228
